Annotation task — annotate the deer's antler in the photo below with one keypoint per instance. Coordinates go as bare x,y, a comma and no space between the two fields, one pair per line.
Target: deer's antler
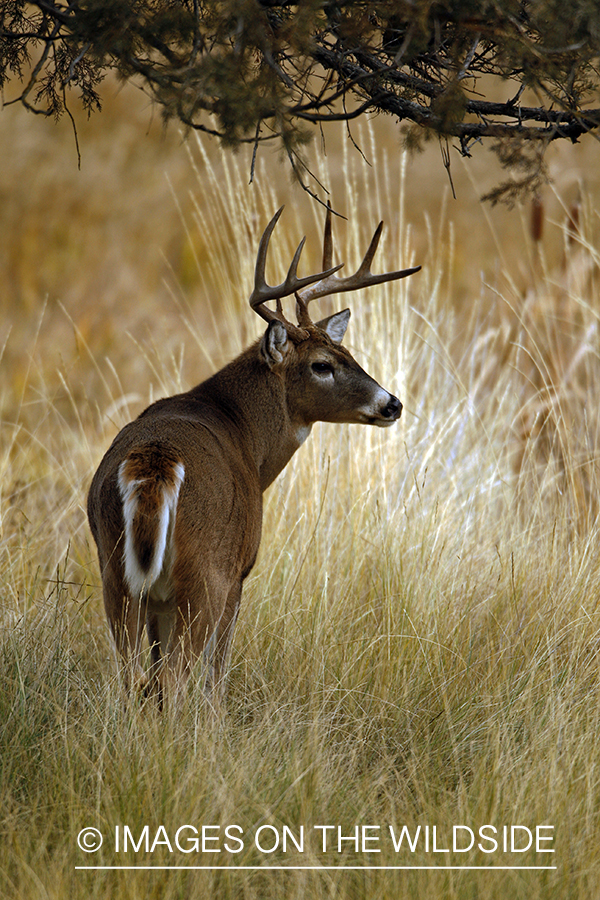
312,286
330,284
263,292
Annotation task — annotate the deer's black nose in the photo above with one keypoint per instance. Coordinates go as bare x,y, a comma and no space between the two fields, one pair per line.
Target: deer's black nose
393,409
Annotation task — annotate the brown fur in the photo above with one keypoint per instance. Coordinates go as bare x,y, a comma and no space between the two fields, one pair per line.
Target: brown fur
175,506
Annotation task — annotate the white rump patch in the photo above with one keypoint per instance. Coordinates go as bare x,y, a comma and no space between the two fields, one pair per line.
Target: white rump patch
302,433
139,580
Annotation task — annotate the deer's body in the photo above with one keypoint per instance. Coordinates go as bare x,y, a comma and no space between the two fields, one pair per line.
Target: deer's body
175,506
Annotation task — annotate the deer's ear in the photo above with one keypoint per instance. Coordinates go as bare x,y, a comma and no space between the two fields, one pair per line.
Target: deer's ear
275,344
335,326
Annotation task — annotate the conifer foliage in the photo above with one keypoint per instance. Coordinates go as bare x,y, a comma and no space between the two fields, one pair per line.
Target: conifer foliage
517,74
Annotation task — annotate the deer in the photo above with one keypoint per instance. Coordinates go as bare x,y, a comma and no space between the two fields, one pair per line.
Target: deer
175,506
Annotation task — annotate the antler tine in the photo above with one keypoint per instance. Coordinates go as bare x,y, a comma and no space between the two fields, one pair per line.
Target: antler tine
365,266
363,277
263,292
304,298
260,293
327,240
292,277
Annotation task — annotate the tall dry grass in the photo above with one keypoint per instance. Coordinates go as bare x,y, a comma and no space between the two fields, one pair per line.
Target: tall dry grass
418,643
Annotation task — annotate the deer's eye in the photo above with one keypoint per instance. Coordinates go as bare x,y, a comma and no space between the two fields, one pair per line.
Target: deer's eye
322,368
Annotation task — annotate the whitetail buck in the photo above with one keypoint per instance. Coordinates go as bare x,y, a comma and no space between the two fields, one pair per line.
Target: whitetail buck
175,506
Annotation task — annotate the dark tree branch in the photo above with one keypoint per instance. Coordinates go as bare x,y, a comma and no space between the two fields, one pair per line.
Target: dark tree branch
286,65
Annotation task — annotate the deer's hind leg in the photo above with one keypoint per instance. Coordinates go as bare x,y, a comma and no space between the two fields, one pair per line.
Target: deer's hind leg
200,603
126,616
223,638
159,627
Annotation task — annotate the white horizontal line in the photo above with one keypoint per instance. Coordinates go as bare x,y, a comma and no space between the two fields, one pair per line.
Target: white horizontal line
321,868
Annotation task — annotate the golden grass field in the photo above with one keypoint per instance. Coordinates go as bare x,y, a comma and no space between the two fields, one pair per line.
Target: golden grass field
419,641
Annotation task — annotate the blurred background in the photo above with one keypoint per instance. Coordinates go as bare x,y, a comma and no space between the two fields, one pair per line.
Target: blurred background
111,240
418,641
128,278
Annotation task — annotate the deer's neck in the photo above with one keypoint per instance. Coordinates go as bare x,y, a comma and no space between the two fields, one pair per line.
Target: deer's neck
254,399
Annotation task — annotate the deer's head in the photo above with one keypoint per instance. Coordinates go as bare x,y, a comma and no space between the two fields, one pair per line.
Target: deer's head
323,380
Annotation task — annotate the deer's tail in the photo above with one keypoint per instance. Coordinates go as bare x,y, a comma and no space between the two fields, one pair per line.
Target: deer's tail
150,478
